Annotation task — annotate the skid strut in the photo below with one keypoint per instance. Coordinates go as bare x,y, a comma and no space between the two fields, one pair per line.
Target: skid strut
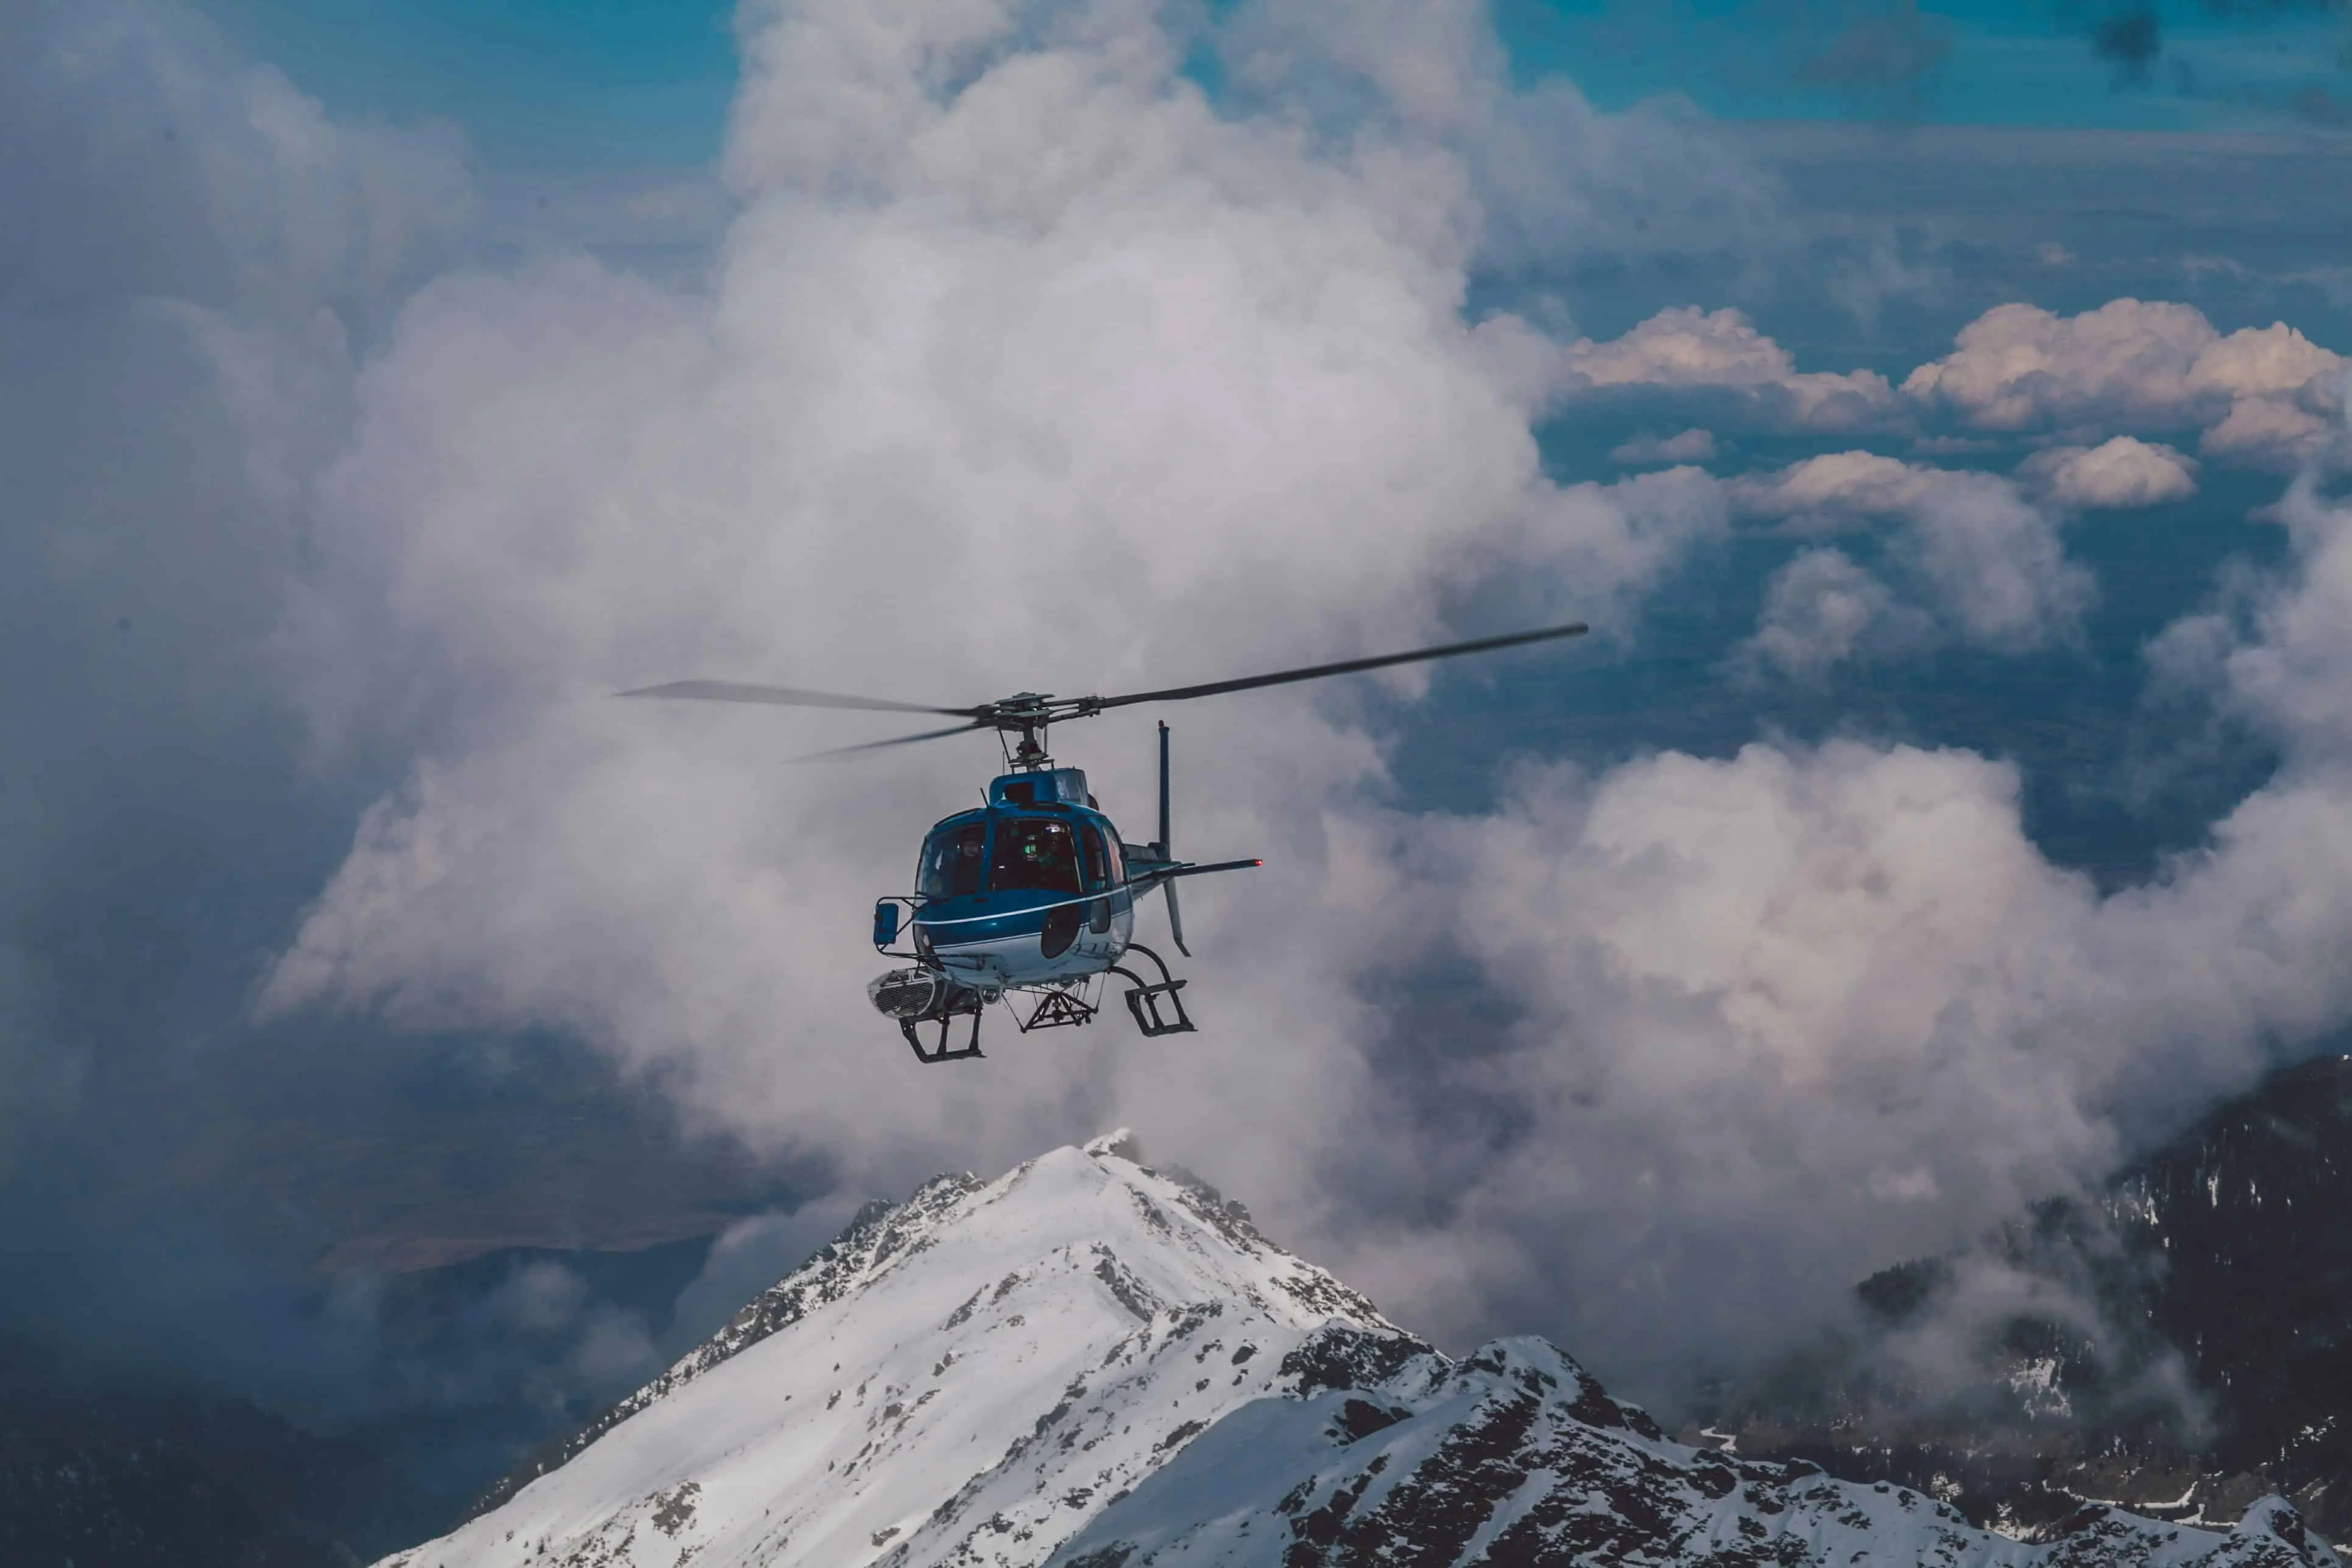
1057,1010
938,1051
1158,1009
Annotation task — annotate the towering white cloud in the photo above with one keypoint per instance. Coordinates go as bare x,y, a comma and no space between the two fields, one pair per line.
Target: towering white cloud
1025,368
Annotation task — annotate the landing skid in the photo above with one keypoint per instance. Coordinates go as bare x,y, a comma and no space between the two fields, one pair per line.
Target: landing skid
1157,1008
938,1051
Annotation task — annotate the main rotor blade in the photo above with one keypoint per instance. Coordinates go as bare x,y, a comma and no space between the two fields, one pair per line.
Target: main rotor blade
785,696
897,741
1345,667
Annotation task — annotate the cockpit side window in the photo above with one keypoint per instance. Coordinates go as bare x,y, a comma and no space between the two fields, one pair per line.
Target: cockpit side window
954,858
1034,854
1097,860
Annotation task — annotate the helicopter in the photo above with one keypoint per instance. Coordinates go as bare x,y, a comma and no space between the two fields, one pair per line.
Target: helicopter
1035,891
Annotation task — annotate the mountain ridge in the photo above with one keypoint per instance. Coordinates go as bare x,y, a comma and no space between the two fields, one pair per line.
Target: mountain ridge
1092,1363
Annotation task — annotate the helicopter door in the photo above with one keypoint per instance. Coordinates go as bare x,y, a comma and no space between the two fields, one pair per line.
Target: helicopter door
1098,879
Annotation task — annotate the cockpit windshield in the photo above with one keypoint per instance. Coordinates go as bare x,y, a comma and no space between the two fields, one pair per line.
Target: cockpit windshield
954,858
1034,854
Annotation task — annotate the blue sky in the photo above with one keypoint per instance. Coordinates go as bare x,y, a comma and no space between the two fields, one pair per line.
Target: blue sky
539,84
568,85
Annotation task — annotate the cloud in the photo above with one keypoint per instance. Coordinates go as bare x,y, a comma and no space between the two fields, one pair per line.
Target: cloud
1886,57
1989,562
1785,1016
2263,397
2128,37
1837,490
1645,450
1686,347
1554,181
192,251
2119,473
2285,670
1821,610
1023,363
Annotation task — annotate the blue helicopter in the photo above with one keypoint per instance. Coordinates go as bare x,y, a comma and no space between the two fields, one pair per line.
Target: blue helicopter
1034,893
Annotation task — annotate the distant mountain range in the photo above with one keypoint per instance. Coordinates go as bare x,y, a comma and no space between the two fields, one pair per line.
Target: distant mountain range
99,1467
1092,1363
1127,1374
2219,1367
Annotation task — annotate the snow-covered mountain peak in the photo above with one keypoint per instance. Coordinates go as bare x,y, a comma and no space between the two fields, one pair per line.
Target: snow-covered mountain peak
966,1376
1102,1364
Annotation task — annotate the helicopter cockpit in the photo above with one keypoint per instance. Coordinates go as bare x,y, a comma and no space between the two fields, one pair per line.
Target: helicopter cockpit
1032,854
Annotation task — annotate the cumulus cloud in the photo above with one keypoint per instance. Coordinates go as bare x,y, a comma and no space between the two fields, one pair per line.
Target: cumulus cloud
1990,562
1644,451
1821,609
2121,472
1025,365
2262,396
1687,348
1838,489
1838,987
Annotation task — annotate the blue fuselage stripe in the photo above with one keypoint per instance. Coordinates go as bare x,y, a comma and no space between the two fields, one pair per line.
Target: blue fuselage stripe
953,930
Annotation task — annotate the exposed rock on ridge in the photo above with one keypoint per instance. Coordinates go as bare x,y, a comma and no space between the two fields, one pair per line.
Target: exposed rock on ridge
1515,1457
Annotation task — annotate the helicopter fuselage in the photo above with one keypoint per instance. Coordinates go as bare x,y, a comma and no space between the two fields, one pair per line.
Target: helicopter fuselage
1031,890
1035,891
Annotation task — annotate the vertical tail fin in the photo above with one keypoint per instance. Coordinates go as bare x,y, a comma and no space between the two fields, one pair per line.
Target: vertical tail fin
1166,850
1175,915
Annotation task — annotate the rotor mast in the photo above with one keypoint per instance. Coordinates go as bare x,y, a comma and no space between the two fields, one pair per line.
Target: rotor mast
1028,714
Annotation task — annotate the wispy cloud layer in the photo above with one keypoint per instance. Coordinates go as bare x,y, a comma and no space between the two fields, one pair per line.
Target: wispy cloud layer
1990,562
